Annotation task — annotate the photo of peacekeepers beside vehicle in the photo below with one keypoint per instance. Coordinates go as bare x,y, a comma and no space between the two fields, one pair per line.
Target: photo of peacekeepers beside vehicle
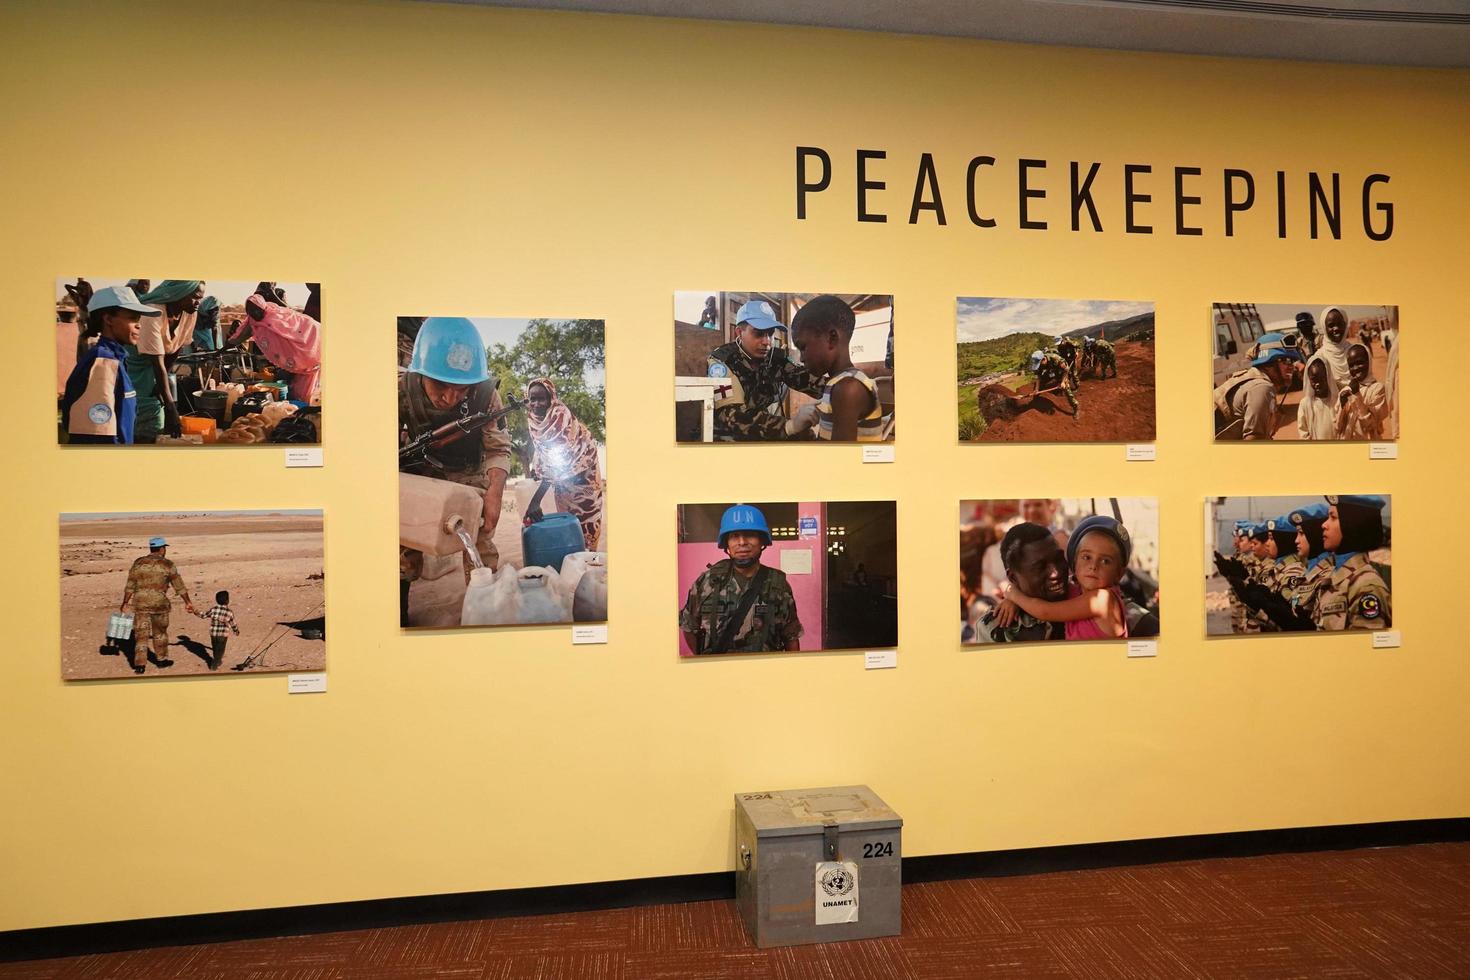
787,576
783,367
502,471
184,362
1039,569
1292,372
1045,370
1298,564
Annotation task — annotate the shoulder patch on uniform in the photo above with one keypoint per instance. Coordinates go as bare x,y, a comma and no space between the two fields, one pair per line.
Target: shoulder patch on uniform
717,369
100,413
1369,607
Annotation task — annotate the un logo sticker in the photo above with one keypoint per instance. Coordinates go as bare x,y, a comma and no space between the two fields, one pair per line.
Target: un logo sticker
100,413
718,370
460,357
837,882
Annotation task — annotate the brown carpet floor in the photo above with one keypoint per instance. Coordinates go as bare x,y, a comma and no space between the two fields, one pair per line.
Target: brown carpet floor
1389,912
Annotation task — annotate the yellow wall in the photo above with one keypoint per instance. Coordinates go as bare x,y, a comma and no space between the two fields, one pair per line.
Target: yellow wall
419,158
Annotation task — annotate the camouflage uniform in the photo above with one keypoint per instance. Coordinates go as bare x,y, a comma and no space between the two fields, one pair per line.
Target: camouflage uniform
1024,629
1355,597
467,461
1308,591
147,591
749,409
1054,370
770,623
1253,619
1104,357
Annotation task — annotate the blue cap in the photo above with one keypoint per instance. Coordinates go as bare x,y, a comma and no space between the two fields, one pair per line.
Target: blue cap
1307,514
1106,525
118,298
157,542
1282,523
1369,500
1259,530
759,314
1273,347
1242,525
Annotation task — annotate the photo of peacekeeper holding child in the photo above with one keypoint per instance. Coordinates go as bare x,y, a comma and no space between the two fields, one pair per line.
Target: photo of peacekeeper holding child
1040,569
783,367
1292,371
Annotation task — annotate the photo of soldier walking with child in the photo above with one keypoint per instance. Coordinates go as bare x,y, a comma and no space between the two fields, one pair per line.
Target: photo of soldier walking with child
502,471
184,362
1298,564
173,594
1290,371
783,367
1052,370
1042,569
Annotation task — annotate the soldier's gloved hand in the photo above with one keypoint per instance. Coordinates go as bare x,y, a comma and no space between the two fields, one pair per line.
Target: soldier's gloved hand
804,419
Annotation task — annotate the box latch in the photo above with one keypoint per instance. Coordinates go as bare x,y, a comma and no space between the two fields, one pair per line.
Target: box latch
829,839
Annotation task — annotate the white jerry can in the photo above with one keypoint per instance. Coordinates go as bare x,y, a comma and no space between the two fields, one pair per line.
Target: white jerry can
119,626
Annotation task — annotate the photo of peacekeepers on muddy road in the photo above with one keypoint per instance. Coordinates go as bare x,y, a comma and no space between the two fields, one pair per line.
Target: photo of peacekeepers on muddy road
1290,371
1055,370
184,362
173,594
783,367
502,472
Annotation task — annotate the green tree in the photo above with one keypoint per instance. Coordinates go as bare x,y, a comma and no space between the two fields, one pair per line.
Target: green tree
563,351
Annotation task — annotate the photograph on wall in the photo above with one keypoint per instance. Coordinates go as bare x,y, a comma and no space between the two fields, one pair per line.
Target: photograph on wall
771,577
199,592
184,362
1302,372
502,471
1055,370
783,367
1043,570
1298,564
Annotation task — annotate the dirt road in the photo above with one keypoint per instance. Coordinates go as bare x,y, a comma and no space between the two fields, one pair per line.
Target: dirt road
1119,409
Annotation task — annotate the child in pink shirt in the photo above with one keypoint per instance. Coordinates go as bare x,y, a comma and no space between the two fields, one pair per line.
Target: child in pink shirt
1098,554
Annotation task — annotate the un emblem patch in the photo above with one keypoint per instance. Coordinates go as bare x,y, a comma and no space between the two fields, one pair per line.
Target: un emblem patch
100,413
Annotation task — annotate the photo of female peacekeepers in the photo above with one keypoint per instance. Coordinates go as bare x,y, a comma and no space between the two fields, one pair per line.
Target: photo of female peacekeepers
1298,564
770,577
502,471
186,362
783,367
1040,569
1296,371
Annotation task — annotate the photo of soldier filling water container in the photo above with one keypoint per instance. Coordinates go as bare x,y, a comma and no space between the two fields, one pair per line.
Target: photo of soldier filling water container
502,472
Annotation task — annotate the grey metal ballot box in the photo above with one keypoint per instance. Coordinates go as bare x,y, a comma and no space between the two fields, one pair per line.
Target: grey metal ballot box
817,865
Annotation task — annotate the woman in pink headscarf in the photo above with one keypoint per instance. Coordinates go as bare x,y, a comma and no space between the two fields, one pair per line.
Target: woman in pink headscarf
291,341
566,454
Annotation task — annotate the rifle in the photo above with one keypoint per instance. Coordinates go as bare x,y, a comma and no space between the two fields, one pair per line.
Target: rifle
419,453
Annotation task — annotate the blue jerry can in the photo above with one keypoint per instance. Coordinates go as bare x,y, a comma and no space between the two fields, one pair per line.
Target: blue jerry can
549,540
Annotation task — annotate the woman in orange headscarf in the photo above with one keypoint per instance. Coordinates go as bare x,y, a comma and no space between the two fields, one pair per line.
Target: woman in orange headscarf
565,453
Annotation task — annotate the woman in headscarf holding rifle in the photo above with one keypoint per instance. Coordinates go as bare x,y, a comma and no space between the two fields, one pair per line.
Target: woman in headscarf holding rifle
565,454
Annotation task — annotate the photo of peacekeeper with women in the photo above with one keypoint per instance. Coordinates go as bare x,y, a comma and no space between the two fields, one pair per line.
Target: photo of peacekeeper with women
783,367
1040,569
184,362
1289,371
502,472
1298,564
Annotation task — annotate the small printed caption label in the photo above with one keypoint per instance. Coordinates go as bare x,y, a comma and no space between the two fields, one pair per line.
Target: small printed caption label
1384,639
1383,450
1142,452
882,453
879,659
590,634
304,457
306,683
1143,648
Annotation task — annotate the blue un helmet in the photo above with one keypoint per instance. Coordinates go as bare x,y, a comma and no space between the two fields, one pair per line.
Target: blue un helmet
449,349
1108,526
743,517
1273,347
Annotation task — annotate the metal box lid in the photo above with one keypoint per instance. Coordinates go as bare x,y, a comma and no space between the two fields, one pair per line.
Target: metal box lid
793,812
